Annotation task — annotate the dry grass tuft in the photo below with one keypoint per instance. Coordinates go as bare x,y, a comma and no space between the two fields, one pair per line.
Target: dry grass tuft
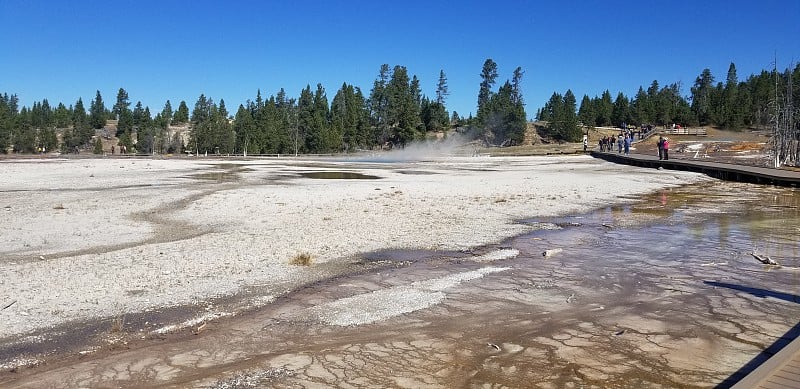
59,206
302,259
118,324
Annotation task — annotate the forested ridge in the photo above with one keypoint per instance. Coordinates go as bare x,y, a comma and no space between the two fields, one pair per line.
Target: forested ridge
732,104
393,113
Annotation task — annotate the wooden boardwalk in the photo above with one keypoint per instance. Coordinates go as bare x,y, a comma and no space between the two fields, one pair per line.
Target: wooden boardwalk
723,171
781,370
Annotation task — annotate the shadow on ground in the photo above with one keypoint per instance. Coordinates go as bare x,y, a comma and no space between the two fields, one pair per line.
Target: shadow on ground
773,349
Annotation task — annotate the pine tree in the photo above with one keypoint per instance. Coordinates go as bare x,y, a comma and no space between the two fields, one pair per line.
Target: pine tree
82,128
244,127
124,123
732,110
62,116
166,113
441,89
97,112
123,114
139,119
23,133
717,113
516,86
305,116
569,119
47,139
98,146
6,117
122,103
488,77
349,117
642,109
550,114
654,103
507,123
318,137
586,114
620,115
200,136
79,117
701,96
182,114
604,109
403,109
379,106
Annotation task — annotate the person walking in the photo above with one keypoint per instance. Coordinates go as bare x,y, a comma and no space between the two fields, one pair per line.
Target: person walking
627,145
665,147
660,145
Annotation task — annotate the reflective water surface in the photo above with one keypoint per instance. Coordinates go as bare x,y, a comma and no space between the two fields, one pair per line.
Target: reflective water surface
661,292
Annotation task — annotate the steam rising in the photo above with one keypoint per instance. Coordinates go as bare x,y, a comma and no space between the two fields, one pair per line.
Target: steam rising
427,150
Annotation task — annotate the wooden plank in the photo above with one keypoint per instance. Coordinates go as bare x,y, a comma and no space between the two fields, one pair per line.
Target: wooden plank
789,376
725,171
782,381
765,376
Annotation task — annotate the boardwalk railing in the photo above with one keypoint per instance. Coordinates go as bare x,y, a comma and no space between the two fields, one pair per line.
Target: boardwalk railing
723,171
685,131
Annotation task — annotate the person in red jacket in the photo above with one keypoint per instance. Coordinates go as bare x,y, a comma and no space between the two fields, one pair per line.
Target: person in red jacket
665,146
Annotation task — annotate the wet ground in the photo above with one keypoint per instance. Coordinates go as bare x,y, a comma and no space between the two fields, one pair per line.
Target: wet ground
659,293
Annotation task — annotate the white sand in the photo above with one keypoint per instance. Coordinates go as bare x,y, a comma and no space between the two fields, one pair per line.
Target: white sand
110,249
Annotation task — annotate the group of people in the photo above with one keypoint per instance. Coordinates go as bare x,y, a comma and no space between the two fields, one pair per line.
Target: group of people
623,142
663,148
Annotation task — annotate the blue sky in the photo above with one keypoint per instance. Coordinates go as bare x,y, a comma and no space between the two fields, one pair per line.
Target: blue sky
159,50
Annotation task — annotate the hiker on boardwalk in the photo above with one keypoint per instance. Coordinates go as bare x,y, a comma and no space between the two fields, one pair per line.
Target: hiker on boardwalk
619,144
628,145
660,147
665,147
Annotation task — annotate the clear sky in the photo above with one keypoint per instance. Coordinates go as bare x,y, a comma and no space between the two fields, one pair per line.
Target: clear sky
176,50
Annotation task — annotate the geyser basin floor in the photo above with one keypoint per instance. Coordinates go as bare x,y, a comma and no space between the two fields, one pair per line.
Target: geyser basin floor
598,294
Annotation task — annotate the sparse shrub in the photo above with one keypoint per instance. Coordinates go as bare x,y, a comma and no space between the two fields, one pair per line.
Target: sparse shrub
118,324
302,259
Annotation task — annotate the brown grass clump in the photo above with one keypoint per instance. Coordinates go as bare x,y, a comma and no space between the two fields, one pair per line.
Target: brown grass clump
118,324
302,259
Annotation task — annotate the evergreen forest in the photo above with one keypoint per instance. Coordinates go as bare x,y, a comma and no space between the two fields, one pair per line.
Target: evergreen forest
732,104
393,113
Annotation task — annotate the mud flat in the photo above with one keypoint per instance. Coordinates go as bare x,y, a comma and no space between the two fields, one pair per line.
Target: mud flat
112,244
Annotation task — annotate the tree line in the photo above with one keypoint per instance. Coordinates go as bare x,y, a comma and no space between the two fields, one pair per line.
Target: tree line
732,104
394,113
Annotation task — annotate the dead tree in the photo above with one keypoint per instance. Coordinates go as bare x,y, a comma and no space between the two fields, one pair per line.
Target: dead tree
784,120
